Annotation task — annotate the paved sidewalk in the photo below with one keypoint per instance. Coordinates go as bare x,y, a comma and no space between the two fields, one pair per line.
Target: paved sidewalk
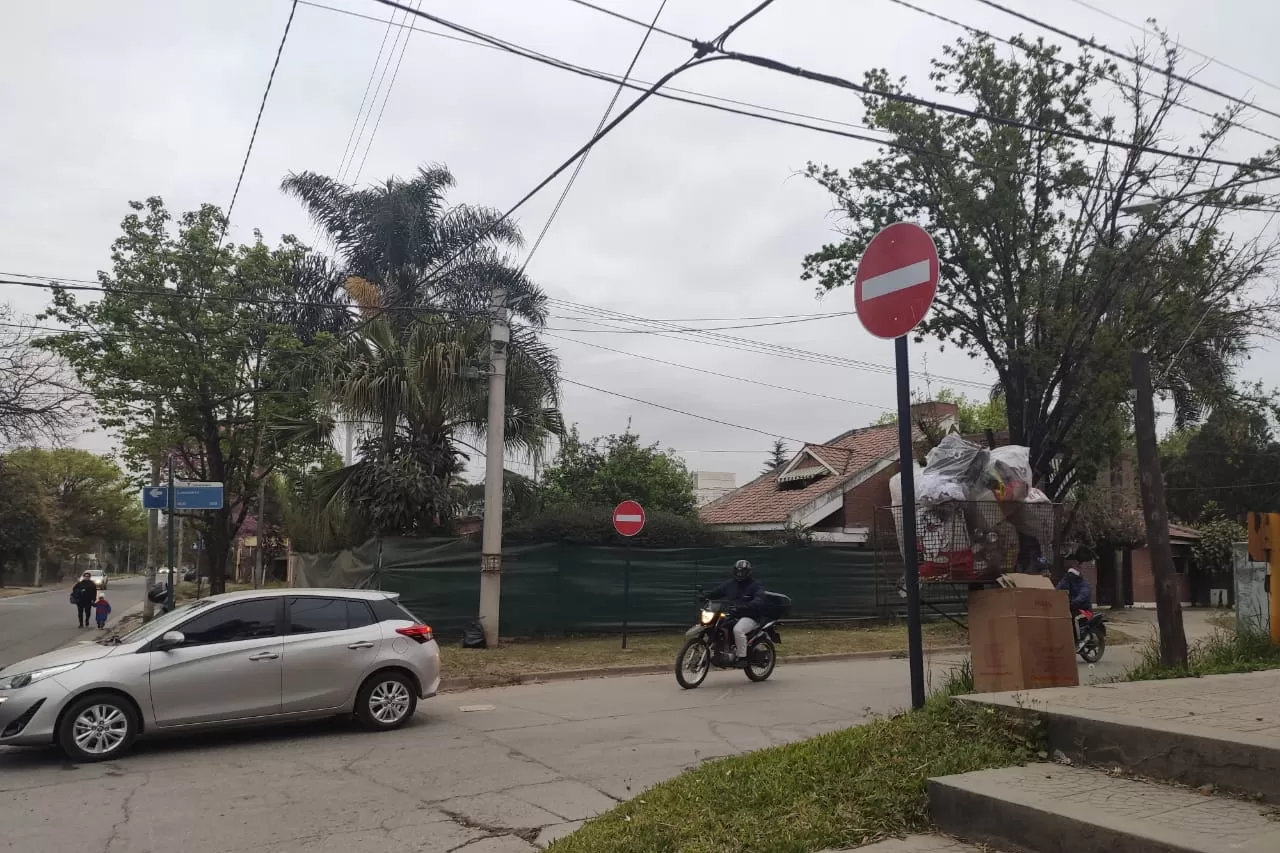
1231,707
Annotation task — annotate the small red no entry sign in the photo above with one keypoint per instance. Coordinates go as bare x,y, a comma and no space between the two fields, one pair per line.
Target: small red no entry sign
628,518
896,281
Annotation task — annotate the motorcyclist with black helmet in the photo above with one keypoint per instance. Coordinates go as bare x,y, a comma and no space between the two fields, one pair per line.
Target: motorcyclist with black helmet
741,595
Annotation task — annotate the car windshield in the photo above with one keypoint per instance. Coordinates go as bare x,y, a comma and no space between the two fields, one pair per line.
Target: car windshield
163,623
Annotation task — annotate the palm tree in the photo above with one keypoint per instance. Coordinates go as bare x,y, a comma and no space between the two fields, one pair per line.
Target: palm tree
414,371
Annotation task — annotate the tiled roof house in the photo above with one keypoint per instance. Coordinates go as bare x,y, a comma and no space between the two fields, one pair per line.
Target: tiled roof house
832,489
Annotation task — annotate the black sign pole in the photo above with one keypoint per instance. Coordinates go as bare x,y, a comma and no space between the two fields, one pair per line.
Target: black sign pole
626,592
168,596
915,642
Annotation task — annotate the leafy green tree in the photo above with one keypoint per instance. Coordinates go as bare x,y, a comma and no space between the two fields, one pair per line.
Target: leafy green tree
414,374
185,353
778,457
1214,551
26,518
608,470
1232,460
91,499
973,417
1059,256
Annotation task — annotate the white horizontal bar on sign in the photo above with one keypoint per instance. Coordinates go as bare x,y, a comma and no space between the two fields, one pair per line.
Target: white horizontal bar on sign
895,280
629,517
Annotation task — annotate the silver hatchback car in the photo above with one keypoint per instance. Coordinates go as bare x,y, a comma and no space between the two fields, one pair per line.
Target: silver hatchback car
234,659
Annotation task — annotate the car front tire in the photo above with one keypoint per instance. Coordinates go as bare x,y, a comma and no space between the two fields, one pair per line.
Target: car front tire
386,701
98,727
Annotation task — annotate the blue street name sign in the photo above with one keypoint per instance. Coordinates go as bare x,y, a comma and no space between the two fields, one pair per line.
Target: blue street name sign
185,496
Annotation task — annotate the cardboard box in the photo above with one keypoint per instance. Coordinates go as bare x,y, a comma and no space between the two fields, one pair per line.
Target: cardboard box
1021,639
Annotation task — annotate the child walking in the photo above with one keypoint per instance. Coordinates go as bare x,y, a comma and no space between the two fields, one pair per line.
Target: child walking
101,610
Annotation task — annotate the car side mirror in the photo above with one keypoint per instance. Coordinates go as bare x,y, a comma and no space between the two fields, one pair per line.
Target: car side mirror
170,640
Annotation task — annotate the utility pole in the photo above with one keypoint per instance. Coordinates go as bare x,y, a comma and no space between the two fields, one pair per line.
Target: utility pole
37,577
153,532
182,541
491,539
1173,638
259,578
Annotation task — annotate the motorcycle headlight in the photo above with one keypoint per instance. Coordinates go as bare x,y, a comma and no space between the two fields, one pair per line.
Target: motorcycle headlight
23,679
708,616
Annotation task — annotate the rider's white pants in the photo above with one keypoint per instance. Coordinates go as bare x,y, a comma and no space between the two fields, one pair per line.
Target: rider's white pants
745,625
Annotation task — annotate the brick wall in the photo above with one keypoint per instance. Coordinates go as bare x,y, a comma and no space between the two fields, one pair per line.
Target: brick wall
861,502
1144,584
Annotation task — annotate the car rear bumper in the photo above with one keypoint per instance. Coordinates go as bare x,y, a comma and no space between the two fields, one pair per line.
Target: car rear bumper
29,717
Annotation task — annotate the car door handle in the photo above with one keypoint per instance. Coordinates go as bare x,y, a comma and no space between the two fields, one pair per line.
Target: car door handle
264,656
363,644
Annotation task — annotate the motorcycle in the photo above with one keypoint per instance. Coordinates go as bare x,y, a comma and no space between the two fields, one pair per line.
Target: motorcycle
1091,636
710,643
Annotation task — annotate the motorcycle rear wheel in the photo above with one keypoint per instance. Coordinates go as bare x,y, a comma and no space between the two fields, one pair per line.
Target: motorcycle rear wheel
692,669
1094,645
763,648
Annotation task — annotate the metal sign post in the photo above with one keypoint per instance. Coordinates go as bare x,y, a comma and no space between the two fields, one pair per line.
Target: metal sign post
894,287
170,527
628,520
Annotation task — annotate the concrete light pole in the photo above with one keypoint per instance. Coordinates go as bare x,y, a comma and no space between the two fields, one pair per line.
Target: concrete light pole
495,438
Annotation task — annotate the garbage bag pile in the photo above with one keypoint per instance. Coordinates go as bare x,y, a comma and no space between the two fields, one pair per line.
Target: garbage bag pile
971,505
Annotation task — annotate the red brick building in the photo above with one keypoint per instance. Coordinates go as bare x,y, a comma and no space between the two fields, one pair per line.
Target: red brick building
832,489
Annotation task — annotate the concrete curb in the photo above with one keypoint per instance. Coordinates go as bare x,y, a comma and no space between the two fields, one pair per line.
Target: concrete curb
28,591
463,683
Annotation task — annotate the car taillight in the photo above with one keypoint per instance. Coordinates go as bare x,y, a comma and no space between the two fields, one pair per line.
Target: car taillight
418,633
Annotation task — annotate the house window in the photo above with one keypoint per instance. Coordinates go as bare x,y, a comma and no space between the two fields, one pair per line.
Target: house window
800,477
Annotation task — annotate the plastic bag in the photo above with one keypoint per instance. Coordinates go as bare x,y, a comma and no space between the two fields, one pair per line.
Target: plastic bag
933,488
1007,473
473,637
956,459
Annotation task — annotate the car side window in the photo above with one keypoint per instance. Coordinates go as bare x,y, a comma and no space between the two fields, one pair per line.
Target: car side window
243,620
311,615
359,614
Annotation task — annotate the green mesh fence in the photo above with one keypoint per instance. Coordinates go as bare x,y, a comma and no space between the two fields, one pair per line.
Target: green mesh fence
558,588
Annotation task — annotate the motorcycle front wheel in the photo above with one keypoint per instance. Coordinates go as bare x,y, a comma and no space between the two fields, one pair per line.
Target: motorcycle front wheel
693,663
1093,647
761,658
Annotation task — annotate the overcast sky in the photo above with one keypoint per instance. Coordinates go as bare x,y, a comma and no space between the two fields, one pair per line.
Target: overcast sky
681,213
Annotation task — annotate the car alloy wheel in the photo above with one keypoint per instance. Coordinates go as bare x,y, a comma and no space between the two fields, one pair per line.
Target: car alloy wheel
100,729
389,702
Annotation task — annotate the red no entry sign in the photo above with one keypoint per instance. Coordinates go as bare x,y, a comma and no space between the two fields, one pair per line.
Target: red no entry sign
897,279
628,518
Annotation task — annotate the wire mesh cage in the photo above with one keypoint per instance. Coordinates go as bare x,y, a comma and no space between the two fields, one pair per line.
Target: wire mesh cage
971,541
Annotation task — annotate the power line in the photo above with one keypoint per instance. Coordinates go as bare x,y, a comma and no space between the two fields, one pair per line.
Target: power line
293,9
347,306
712,329
693,62
1191,50
365,97
518,50
733,342
604,118
1019,45
723,375
843,83
386,97
1136,60
682,411
630,20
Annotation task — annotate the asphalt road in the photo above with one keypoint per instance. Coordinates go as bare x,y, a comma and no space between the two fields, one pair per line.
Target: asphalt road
43,621
483,771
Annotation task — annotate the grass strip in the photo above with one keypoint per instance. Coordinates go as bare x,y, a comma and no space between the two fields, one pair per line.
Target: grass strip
836,790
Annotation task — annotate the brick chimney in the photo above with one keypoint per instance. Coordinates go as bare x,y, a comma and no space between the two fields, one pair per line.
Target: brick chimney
942,414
